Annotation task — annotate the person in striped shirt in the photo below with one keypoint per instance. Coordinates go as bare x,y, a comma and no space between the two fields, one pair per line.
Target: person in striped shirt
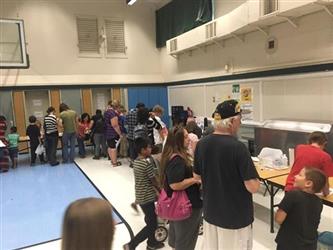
51,136
146,187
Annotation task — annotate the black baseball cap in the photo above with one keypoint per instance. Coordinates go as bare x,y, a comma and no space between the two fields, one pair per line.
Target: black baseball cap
140,105
227,109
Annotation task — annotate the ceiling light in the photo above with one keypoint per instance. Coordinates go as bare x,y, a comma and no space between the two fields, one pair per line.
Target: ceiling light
130,2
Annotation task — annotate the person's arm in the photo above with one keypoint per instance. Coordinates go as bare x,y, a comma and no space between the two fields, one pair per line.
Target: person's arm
252,186
287,203
155,183
91,124
197,177
115,124
153,123
176,173
76,123
247,170
185,183
280,216
60,124
39,135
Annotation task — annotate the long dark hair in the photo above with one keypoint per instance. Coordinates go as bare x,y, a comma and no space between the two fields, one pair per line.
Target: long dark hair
174,145
142,115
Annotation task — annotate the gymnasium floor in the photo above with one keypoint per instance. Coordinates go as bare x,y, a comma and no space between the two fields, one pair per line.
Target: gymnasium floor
117,185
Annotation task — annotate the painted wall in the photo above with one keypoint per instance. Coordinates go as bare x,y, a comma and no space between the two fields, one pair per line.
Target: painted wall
306,96
310,43
51,34
222,7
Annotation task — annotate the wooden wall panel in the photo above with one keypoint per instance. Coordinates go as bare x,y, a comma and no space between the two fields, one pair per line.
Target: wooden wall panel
86,101
116,94
55,99
19,114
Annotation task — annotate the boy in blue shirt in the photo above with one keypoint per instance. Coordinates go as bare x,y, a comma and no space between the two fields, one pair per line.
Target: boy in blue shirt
13,139
299,212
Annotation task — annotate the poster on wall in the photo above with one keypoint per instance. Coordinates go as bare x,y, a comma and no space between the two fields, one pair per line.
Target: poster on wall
100,101
37,102
246,95
247,112
235,92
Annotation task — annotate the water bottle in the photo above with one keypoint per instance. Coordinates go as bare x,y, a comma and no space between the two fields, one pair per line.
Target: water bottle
284,159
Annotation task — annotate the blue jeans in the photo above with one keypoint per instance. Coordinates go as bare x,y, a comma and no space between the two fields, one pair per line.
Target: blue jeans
68,138
100,141
82,149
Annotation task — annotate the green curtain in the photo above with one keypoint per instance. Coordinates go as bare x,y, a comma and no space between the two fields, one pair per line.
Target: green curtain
180,16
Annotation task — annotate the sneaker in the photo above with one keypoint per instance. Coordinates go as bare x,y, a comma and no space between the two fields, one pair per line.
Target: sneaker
118,163
96,158
131,164
127,247
135,207
158,245
54,164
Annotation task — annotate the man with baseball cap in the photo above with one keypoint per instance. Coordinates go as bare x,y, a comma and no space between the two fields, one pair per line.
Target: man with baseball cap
229,179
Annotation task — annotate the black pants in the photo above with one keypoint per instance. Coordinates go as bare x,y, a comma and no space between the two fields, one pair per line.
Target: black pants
51,148
149,230
33,155
131,148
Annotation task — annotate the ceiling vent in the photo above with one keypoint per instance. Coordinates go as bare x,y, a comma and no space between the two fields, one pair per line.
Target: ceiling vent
173,45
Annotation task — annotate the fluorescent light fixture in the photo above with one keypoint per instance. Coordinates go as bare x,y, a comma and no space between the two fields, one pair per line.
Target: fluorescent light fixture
130,2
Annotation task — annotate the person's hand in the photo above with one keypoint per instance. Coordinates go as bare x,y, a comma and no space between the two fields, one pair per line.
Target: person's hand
197,181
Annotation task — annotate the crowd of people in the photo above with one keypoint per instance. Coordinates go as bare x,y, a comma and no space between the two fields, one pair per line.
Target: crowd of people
111,133
212,166
218,175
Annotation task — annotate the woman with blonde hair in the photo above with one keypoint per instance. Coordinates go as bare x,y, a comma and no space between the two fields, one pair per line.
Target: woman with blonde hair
88,224
177,175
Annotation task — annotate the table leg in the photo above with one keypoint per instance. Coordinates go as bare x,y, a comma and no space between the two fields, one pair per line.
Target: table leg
272,207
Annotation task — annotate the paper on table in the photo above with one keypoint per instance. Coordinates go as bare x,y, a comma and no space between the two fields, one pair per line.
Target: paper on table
321,193
255,159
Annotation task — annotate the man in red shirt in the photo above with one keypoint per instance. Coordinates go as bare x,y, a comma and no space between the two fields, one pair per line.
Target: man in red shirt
311,155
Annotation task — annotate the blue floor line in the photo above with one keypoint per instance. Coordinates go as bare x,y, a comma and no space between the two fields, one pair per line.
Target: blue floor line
33,200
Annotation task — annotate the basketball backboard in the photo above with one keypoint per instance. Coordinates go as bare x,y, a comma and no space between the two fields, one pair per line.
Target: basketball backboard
13,52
